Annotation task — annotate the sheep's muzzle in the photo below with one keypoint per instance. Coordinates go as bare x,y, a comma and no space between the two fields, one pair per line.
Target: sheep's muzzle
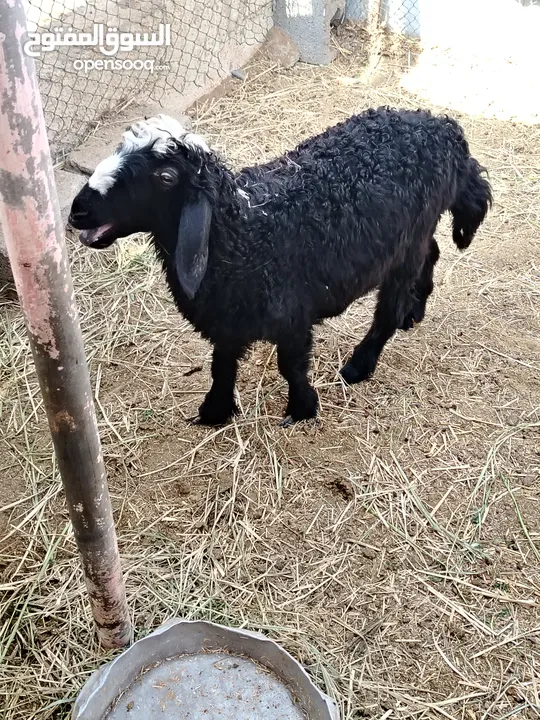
99,238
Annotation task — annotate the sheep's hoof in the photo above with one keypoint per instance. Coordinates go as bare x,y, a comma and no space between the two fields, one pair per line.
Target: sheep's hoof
211,422
303,406
356,373
215,415
408,323
289,421
413,318
197,420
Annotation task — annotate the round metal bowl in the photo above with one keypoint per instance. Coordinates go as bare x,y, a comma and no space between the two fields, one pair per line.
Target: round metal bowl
202,671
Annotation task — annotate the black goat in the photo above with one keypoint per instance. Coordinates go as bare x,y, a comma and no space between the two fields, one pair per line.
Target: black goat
266,253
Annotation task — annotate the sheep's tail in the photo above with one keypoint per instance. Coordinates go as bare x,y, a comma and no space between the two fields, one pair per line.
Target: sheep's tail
473,200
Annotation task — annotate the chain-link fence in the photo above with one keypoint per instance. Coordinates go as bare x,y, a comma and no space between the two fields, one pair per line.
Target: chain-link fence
187,45
398,16
96,55
401,16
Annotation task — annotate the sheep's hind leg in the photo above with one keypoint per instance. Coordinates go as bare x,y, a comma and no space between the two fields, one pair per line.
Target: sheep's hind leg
294,354
393,304
219,406
423,288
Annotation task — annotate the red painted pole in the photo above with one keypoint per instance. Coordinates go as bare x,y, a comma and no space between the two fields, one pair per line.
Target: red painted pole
34,235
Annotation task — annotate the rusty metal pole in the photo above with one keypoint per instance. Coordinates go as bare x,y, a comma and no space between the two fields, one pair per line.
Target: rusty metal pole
34,235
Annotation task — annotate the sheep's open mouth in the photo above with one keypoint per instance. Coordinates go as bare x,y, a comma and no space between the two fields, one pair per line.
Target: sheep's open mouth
100,237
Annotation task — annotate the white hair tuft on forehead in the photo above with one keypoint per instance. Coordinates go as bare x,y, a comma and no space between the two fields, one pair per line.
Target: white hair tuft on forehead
162,135
104,176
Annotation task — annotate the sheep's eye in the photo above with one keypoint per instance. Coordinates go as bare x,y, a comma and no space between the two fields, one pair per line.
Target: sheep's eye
167,178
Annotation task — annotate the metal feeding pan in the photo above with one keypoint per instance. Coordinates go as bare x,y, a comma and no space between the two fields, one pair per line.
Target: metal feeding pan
195,670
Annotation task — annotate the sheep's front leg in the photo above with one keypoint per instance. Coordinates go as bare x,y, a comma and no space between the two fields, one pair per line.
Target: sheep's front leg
219,405
294,354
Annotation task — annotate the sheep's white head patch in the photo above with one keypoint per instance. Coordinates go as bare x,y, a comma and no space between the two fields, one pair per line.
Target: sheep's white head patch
162,134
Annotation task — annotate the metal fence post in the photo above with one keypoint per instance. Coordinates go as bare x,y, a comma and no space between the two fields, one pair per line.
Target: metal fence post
35,242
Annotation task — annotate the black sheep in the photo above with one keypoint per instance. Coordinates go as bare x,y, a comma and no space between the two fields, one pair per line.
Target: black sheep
268,252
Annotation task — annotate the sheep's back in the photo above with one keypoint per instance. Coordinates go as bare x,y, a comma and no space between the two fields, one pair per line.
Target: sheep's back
321,225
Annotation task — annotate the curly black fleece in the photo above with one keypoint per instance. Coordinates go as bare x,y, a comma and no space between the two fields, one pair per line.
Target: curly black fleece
350,210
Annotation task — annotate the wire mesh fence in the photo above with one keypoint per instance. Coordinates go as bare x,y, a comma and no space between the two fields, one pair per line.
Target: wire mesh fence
182,44
96,55
401,16
397,16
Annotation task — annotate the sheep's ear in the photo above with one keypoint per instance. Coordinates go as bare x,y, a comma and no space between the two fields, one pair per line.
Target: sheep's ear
192,246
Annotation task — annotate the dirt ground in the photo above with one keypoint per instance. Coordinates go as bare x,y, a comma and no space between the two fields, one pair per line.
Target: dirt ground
393,548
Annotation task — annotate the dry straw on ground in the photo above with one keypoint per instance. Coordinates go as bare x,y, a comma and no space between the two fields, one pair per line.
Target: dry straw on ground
394,549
